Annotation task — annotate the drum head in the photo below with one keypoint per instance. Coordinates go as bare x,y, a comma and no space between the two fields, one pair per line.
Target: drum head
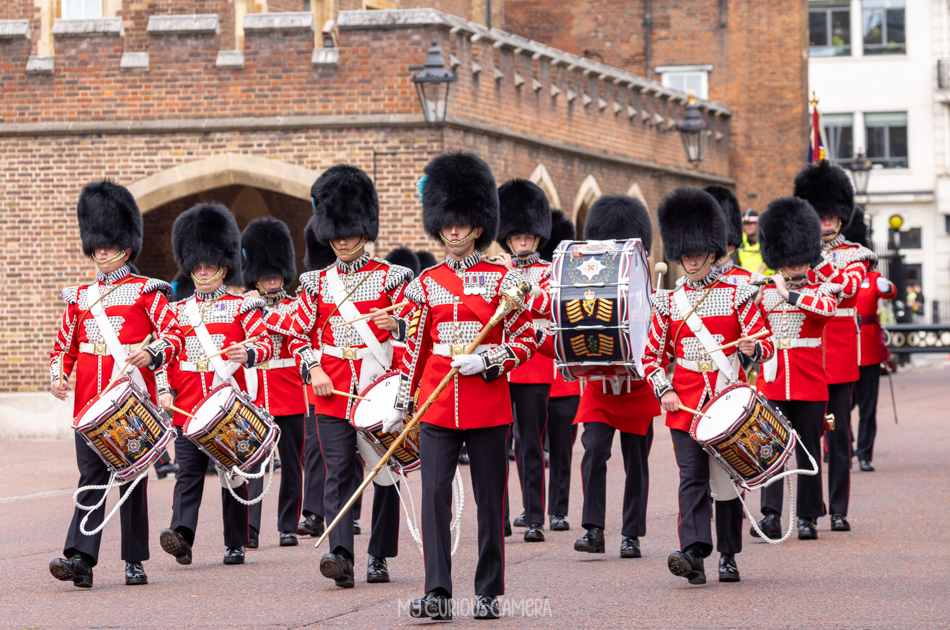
381,395
209,409
725,410
103,403
371,457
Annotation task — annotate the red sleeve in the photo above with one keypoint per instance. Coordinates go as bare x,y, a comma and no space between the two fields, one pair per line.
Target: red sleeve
66,347
253,323
169,340
418,347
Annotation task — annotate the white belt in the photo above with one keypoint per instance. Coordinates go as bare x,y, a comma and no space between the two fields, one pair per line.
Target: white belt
276,364
100,349
200,366
350,354
698,366
450,350
846,312
808,342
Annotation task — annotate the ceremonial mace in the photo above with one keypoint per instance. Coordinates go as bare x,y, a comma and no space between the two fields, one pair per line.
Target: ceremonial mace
511,299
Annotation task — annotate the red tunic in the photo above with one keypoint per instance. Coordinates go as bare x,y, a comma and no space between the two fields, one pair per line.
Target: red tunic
873,350
629,411
339,351
540,368
734,274
279,387
796,328
453,301
228,318
849,263
728,312
136,307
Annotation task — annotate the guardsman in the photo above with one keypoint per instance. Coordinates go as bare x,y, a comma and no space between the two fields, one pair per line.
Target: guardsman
828,189
696,318
793,379
729,271
609,405
103,323
268,265
206,243
524,226
453,301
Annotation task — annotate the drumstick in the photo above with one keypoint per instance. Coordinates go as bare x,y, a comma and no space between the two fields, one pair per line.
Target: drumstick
127,362
181,411
758,335
369,315
353,396
694,412
224,350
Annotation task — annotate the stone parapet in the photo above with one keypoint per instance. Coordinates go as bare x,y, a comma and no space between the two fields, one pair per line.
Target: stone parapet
108,27
198,24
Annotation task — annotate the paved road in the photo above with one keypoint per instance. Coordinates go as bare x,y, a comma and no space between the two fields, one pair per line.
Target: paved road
891,571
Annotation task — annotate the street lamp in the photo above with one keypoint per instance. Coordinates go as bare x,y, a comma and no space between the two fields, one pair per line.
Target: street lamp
860,168
693,131
432,86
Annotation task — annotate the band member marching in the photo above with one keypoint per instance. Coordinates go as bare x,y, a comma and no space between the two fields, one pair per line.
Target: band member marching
793,379
268,264
524,226
453,302
206,243
624,405
349,357
873,353
729,271
828,189
696,318
102,324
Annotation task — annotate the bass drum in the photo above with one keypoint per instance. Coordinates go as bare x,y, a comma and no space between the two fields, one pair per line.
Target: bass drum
601,308
372,441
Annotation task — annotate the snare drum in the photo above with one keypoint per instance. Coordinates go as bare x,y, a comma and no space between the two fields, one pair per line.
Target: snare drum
372,441
601,308
230,429
745,435
125,428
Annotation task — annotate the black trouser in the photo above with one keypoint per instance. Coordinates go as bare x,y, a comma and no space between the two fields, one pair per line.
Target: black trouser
439,452
315,471
694,529
163,460
133,515
531,404
865,397
839,448
290,448
338,443
597,439
807,418
561,433
189,488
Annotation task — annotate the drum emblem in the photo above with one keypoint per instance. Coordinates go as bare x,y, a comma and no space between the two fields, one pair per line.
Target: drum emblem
243,446
590,268
133,446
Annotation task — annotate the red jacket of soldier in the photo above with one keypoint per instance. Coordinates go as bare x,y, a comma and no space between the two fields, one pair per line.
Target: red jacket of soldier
136,307
732,273
540,368
453,301
728,312
631,409
559,387
229,318
795,371
340,351
846,264
873,287
279,387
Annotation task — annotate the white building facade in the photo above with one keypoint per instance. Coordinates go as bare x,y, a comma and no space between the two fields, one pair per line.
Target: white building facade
873,65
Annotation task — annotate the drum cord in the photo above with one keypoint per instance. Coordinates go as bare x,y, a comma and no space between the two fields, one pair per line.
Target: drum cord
458,495
108,487
269,462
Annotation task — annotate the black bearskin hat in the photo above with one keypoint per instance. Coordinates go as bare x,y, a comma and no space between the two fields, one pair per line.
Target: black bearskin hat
459,189
523,208
426,259
405,257
618,217
345,204
108,217
268,250
857,232
317,255
691,222
207,233
789,233
562,229
828,189
730,208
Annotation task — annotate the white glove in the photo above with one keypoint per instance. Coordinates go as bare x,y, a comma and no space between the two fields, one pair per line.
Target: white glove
469,364
393,420
883,285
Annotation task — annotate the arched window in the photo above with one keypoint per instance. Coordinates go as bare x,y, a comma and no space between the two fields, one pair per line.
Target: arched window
541,177
586,195
635,192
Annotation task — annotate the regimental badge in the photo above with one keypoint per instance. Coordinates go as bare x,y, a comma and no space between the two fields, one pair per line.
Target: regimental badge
589,307
590,268
592,345
474,284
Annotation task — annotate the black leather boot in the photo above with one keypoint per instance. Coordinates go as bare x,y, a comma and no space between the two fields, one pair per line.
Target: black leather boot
75,568
592,541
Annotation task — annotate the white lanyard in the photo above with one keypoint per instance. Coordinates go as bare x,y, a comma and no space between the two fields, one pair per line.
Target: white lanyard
726,367
222,371
116,349
348,311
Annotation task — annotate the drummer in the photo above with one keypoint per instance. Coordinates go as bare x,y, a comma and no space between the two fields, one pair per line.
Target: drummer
103,322
626,405
716,313
793,381
207,246
347,359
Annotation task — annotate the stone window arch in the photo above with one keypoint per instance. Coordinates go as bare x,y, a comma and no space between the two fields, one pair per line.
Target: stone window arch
542,178
635,192
586,195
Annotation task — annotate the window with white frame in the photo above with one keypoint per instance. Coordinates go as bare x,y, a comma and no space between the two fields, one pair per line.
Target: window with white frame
685,78
883,24
839,134
886,137
829,28
81,9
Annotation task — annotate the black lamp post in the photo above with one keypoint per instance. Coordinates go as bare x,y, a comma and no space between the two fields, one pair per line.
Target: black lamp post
694,132
432,86
860,168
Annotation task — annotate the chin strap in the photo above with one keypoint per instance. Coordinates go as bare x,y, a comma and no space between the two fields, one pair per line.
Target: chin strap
528,253
109,261
701,269
462,241
214,278
351,251
830,236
